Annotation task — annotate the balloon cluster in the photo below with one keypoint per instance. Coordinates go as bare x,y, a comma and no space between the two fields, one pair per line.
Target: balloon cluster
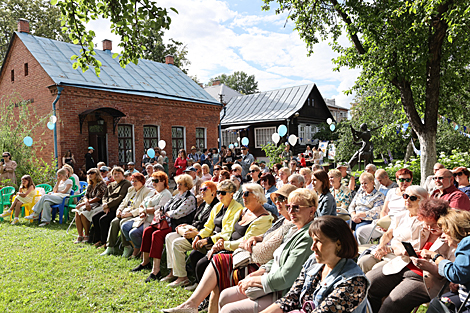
151,152
329,121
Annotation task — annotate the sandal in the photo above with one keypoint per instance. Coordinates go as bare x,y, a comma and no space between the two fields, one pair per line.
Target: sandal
98,244
85,239
79,239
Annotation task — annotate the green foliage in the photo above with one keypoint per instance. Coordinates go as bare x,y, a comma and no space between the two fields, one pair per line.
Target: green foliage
156,50
131,20
239,81
324,133
15,124
44,21
273,152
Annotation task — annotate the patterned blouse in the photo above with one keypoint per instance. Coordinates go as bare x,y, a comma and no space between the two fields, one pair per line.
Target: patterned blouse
371,204
343,196
345,298
96,191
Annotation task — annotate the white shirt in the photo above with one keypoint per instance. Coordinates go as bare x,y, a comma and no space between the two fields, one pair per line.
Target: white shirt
396,203
63,186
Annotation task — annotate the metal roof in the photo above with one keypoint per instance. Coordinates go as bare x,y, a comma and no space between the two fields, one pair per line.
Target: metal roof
148,78
222,89
266,106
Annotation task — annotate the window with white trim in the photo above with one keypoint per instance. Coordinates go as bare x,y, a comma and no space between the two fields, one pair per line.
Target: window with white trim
150,136
263,136
177,140
228,137
126,144
305,133
200,138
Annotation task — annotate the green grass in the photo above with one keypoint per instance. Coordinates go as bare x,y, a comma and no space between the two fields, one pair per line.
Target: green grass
43,271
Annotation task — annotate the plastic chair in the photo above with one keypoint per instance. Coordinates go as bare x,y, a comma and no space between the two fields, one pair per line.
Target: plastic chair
27,207
83,186
5,197
47,188
72,206
61,207
74,183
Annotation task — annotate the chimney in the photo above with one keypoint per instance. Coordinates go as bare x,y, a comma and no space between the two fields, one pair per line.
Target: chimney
107,45
23,25
169,59
216,82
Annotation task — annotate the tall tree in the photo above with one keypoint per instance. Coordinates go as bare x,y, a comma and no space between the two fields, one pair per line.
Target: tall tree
239,81
416,50
44,20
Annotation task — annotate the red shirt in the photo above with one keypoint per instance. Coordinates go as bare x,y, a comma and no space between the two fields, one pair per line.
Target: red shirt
412,267
180,165
303,163
456,198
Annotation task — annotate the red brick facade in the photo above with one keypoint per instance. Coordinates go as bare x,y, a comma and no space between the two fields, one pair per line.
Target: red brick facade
139,111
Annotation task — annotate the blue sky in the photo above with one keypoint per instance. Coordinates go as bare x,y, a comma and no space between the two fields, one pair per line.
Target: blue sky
236,35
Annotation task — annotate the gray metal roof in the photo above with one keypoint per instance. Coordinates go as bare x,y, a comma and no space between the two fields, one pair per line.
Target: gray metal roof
266,106
222,89
148,78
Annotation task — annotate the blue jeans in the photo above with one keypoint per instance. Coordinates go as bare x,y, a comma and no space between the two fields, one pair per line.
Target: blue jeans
133,234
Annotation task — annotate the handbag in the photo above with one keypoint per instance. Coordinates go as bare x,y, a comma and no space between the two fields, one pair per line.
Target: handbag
302,310
160,222
241,258
438,306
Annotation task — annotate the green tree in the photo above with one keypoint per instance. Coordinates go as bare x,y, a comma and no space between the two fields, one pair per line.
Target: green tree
415,50
239,81
324,133
44,21
131,20
156,50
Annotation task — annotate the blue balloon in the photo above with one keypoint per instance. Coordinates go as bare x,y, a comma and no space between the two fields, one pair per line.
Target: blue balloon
332,127
28,141
245,141
230,146
282,130
236,144
50,125
151,153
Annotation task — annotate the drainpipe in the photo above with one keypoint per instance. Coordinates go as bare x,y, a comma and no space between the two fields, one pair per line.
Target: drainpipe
220,122
59,91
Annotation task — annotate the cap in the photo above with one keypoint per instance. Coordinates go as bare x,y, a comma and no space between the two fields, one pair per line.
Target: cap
104,168
90,148
193,148
127,173
190,169
263,162
131,163
342,164
283,191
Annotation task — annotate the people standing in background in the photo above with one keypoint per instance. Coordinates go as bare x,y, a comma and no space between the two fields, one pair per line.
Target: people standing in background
68,158
7,168
89,161
165,161
193,155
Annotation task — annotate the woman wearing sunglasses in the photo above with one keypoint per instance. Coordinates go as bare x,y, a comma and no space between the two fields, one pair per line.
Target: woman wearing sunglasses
461,175
403,285
180,241
393,205
412,197
255,173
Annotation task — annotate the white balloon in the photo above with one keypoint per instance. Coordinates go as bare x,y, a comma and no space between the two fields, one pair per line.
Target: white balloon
53,119
292,140
162,144
275,137
329,121
238,139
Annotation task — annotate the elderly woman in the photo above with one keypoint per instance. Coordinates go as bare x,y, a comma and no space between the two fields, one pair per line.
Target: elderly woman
367,203
61,190
128,209
180,241
255,173
456,230
308,181
224,175
394,205
330,280
326,201
237,180
133,230
178,210
413,196
341,193
25,194
402,284
215,177
206,173
90,204
268,183
284,174
252,221
461,175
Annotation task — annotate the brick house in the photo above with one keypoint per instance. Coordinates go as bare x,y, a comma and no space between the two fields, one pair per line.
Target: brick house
120,113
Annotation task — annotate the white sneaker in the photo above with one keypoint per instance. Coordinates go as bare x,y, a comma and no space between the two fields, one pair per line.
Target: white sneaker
43,224
108,251
15,221
127,251
32,216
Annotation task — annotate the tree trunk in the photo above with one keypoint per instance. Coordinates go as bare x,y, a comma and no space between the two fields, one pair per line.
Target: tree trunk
409,151
427,141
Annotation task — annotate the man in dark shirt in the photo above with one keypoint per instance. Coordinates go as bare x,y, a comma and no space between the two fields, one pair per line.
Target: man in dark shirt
89,161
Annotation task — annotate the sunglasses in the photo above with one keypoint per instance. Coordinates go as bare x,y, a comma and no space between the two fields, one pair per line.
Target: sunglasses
458,174
90,173
203,188
401,180
156,180
5,156
412,198
253,171
103,171
439,177
294,208
246,193
217,169
280,199
221,192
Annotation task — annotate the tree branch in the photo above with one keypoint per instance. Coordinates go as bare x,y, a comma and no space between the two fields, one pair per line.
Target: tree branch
357,43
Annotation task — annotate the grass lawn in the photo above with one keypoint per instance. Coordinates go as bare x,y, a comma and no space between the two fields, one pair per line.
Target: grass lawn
43,271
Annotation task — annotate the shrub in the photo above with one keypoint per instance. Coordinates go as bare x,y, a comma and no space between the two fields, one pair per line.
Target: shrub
273,152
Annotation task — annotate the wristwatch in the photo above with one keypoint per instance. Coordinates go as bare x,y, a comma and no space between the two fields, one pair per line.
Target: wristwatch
435,257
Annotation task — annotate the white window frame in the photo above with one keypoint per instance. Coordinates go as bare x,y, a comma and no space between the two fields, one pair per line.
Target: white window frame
184,139
267,132
158,132
307,133
205,136
133,141
227,137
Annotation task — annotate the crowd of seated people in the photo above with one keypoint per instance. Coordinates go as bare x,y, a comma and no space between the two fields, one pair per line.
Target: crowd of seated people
261,240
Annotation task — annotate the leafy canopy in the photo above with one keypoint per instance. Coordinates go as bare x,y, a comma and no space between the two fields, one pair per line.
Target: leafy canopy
239,81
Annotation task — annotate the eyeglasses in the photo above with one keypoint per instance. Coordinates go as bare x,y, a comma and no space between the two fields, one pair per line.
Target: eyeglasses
458,174
253,171
221,192
90,173
412,198
294,207
401,180
203,189
217,169
5,156
280,199
156,180
440,177
103,171
246,193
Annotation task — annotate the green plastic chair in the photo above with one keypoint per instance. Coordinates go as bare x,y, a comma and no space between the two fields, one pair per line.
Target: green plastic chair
47,188
74,183
5,197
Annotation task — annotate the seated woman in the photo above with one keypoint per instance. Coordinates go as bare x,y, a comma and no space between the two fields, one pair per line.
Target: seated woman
326,201
61,190
394,205
24,195
115,192
330,280
180,241
341,193
178,210
255,173
399,281
461,175
252,221
455,231
71,174
90,204
268,183
206,173
413,196
133,230
283,177
366,205
128,209
238,195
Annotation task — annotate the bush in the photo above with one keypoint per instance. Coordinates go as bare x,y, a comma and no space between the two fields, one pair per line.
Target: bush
273,152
